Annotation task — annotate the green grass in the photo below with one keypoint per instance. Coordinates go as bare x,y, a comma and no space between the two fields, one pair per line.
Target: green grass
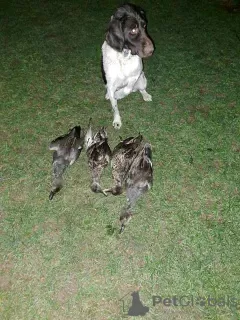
59,260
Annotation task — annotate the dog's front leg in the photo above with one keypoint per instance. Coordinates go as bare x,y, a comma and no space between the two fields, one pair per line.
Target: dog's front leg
117,123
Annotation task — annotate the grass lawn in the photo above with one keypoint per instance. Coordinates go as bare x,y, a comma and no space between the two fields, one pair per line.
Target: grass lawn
58,258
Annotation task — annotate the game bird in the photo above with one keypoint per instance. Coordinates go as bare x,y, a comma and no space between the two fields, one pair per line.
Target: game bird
139,180
99,155
122,158
67,149
131,169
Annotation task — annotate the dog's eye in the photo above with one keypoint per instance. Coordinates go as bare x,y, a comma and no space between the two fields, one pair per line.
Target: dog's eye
134,31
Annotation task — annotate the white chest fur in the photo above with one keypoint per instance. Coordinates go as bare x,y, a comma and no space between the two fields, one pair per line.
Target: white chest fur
120,65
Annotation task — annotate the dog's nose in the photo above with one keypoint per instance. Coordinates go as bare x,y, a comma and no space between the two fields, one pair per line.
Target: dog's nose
149,48
150,51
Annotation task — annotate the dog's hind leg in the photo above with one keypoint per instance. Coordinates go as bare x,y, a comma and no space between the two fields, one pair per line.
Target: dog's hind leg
141,86
121,93
146,96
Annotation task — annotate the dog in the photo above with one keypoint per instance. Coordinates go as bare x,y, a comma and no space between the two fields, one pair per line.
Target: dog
67,149
126,43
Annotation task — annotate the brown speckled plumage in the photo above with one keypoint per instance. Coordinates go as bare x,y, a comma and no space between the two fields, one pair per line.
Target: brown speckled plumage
99,155
132,170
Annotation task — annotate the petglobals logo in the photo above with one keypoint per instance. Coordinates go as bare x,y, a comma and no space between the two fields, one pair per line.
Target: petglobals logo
132,305
190,301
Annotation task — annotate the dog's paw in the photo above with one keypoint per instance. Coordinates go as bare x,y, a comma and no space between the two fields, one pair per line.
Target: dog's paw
106,96
146,96
117,123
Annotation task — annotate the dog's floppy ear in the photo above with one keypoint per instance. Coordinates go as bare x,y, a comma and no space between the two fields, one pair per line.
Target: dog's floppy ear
115,37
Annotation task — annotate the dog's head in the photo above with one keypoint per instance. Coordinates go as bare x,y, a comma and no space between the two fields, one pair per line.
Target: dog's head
127,30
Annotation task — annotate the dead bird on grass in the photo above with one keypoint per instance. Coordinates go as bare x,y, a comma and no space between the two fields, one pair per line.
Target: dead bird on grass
67,149
99,155
122,157
139,180
132,169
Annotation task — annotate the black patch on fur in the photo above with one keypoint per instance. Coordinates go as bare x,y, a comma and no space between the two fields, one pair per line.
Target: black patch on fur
119,35
103,72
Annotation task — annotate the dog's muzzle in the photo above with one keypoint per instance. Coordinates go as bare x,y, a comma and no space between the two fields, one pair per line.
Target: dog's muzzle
148,48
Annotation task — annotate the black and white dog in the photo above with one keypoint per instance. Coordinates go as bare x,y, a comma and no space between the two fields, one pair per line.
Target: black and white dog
126,44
